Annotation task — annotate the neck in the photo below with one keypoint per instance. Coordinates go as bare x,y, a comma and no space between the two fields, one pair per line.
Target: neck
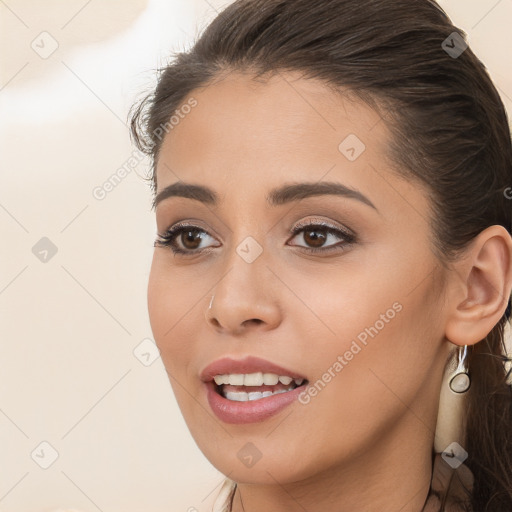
394,475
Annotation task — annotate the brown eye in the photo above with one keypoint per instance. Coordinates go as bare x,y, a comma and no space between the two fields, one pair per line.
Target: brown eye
315,237
184,240
191,238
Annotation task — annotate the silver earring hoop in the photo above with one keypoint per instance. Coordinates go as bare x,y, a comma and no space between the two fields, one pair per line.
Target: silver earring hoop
461,382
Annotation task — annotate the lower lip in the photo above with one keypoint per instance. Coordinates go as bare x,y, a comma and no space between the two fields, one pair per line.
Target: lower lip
252,411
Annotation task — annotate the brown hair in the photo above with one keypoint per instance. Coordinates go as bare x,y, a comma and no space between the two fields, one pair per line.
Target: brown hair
450,132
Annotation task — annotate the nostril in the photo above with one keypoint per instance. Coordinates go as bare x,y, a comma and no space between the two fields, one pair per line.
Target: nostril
215,322
255,320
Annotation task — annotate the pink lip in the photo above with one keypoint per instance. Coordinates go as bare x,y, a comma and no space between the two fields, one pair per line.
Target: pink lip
251,411
249,364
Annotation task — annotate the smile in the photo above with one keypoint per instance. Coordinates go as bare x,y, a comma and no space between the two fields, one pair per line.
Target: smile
254,386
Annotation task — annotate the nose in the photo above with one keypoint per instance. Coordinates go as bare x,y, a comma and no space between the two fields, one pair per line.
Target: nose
244,299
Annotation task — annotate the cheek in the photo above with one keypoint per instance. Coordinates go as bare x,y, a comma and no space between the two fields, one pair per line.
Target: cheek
360,391
170,304
371,344
172,301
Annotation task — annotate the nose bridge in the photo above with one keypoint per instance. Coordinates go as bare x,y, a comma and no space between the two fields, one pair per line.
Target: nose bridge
245,291
248,247
245,266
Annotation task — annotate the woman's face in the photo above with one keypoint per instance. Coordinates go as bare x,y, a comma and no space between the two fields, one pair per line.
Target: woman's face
354,308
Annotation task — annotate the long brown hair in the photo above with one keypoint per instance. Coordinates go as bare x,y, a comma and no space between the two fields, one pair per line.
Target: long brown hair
450,132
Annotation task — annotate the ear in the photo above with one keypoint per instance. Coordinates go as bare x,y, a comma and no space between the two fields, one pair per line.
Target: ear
479,288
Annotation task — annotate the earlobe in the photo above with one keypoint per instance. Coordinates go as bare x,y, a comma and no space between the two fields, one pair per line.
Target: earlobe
486,274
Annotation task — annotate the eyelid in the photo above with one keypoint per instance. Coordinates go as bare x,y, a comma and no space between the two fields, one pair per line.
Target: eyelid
190,224
321,222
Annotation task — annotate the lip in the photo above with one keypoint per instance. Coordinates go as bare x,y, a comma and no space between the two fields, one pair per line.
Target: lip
249,364
252,411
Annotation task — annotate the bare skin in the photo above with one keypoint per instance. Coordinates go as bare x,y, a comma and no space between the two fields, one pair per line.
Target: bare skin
364,443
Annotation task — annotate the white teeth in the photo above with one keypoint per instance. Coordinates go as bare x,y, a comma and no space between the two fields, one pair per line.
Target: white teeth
241,396
236,379
270,379
237,397
255,379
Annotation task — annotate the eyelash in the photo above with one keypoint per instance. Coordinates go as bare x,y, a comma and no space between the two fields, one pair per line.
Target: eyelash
168,239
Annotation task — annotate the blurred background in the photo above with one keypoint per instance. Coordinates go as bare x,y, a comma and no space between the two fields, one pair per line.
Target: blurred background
87,417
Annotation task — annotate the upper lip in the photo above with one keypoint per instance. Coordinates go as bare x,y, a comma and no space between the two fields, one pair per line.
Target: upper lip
249,364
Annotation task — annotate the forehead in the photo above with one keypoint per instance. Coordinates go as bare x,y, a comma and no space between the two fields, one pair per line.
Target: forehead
283,122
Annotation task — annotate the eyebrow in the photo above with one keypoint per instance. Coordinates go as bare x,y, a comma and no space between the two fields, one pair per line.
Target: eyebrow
278,196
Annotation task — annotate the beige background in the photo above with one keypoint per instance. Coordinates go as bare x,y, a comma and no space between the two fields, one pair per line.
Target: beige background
69,326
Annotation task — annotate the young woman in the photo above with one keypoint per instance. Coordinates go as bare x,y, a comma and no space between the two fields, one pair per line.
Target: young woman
333,263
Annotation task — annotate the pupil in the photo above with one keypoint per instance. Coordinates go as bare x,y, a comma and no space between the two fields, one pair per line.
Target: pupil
191,236
315,239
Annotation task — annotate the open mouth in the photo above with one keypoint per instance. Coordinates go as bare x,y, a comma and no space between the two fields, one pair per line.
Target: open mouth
254,386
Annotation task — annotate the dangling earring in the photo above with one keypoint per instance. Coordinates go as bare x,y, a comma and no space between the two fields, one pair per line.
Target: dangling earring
460,382
452,401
